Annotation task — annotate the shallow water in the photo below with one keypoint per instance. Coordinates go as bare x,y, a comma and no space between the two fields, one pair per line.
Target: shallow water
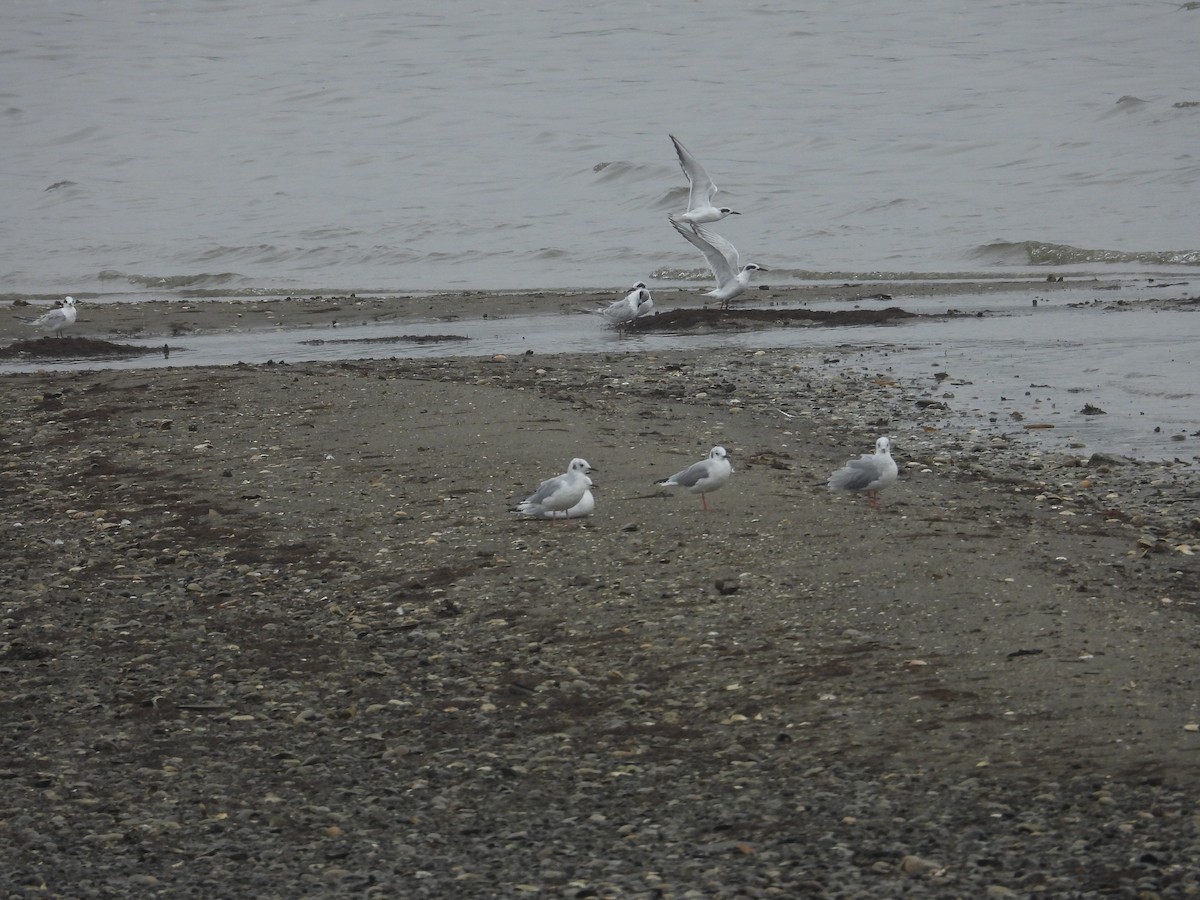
1014,366
373,146
1022,372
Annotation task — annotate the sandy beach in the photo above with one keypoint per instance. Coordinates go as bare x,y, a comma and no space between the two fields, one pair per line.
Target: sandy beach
271,630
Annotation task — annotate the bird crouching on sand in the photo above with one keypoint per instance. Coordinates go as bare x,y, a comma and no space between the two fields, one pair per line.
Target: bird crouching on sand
558,494
633,305
581,510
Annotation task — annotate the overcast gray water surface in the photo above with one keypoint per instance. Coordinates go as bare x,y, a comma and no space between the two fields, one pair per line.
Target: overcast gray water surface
375,145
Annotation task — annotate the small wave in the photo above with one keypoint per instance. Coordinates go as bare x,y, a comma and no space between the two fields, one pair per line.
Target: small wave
386,255
1039,253
254,252
65,191
623,170
674,199
875,206
681,274
777,275
82,134
171,282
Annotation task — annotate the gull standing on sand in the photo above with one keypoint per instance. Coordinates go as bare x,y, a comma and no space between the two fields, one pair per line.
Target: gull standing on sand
703,477
732,277
560,493
869,474
700,206
636,303
57,319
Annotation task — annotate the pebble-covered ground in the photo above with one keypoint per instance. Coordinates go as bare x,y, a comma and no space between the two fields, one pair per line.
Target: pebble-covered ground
271,632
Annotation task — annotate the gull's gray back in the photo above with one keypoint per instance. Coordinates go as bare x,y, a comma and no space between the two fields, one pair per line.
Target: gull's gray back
691,475
856,475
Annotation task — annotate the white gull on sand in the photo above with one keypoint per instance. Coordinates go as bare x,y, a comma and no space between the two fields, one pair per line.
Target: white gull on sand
722,256
703,477
700,206
560,493
869,474
57,319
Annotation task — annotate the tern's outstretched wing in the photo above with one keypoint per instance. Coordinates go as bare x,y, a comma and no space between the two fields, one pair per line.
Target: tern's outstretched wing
702,187
722,256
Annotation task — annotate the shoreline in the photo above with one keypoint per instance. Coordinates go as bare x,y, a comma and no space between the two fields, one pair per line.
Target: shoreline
1102,376
154,318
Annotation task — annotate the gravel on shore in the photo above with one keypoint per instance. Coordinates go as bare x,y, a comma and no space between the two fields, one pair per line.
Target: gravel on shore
270,631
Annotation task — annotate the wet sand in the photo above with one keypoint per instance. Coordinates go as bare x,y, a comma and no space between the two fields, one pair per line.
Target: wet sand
270,630
178,316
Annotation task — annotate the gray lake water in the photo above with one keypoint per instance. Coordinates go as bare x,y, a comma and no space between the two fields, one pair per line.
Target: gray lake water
375,145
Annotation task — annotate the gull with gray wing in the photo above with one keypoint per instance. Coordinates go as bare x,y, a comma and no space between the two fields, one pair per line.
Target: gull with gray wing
869,474
560,493
703,477
56,319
